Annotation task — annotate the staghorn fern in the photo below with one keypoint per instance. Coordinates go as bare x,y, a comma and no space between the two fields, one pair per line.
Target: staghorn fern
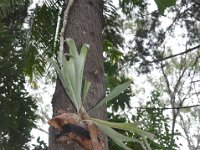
71,74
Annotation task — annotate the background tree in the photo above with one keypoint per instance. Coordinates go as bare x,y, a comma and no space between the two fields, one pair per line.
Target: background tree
17,108
152,117
145,25
178,84
111,45
84,25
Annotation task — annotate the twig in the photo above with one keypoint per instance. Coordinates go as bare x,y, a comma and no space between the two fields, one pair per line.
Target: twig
40,129
185,129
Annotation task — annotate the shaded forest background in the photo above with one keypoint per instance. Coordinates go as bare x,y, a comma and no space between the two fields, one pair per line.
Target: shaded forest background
160,53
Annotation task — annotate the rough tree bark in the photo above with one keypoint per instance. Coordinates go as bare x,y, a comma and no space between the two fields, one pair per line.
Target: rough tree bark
84,26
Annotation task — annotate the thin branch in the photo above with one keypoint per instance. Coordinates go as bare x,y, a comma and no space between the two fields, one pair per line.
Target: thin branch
40,129
195,81
164,108
172,97
166,80
175,55
185,129
179,80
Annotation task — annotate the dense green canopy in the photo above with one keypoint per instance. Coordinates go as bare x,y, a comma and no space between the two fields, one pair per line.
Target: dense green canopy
17,108
146,50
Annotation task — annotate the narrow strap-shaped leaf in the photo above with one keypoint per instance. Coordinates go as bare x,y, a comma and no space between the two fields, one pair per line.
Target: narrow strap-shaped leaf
74,65
65,81
69,70
72,47
80,65
146,143
114,93
117,137
69,74
125,126
86,89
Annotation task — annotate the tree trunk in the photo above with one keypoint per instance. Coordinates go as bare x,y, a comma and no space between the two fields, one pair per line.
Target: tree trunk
84,26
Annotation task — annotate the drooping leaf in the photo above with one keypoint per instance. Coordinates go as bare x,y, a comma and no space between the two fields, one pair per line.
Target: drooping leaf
115,92
125,126
17,106
117,137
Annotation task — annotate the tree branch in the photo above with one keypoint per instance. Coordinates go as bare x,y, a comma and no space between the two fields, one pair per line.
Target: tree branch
175,55
42,130
164,108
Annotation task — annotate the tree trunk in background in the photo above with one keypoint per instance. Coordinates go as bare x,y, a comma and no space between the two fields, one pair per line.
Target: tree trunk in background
84,26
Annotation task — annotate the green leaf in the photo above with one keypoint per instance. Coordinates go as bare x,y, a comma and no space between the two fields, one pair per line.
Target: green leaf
71,72
64,79
125,126
80,64
86,89
114,93
68,72
146,143
163,4
117,137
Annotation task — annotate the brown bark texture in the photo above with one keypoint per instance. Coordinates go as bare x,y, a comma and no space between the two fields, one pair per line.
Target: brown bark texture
84,26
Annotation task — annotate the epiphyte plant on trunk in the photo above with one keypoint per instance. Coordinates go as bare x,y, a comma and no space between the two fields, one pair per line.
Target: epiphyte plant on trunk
70,72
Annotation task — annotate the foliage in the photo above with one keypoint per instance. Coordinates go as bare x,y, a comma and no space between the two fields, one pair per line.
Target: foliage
113,51
129,5
43,30
151,116
146,25
40,146
71,74
17,108
154,120
179,82
163,4
43,41
41,38
180,90
8,7
121,101
148,38
114,93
